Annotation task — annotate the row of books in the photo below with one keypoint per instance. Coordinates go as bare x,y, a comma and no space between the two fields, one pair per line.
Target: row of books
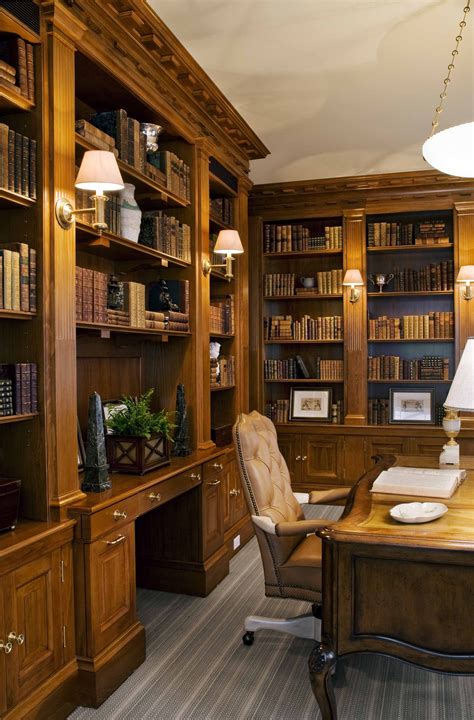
394,367
429,232
222,209
167,320
17,162
167,234
221,315
379,412
17,277
328,282
223,371
432,325
293,368
112,210
320,328
18,388
435,276
17,66
299,238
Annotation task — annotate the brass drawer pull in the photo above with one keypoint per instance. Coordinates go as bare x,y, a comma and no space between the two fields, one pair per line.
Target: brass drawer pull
195,476
218,466
154,497
117,541
6,647
19,639
120,514
213,482
234,492
305,457
298,457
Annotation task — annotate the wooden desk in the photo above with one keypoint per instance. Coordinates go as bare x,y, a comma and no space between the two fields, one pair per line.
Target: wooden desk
401,590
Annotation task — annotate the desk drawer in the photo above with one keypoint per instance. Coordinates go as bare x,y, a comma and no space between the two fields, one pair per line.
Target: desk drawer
214,470
168,489
112,518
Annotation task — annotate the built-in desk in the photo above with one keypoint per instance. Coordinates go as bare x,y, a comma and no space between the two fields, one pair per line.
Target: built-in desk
163,530
401,590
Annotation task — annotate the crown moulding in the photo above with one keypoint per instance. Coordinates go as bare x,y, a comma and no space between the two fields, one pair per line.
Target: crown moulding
130,36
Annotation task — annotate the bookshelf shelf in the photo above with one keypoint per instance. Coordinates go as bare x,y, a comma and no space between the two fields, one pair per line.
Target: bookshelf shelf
148,193
9,198
217,388
16,315
11,101
222,336
303,254
303,381
412,340
409,248
218,223
313,296
219,187
409,382
114,247
417,293
127,330
11,24
304,342
6,419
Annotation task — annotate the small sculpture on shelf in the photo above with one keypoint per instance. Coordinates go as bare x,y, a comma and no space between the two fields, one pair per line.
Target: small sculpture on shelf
130,213
381,279
96,477
181,446
115,293
166,300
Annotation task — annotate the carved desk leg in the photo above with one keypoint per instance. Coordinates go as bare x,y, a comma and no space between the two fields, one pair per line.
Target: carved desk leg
321,663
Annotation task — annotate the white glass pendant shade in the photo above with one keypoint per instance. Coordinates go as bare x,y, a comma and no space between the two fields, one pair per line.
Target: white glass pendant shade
451,151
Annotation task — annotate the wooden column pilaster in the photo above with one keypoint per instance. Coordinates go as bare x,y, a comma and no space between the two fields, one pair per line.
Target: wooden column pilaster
463,255
242,318
355,321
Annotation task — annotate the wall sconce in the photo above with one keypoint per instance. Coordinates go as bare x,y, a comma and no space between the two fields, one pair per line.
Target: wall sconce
353,278
228,243
100,173
466,275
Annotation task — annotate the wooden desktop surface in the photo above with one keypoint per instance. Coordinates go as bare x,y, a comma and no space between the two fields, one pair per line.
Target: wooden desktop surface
401,590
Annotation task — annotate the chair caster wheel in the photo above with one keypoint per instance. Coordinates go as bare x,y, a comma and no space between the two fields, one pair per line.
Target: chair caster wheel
247,639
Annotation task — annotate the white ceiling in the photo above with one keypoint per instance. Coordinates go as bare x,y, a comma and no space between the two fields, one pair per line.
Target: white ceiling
332,87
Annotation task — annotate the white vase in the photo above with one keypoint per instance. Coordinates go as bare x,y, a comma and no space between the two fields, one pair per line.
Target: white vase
130,214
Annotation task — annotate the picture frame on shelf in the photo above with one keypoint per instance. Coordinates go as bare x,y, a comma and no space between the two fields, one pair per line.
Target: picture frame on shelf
416,405
310,404
81,450
109,408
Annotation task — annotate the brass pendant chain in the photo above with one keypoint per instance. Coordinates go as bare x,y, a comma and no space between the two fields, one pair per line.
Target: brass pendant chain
447,79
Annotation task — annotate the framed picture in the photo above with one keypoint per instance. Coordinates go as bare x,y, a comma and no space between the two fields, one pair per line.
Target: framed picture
412,406
81,452
313,404
109,408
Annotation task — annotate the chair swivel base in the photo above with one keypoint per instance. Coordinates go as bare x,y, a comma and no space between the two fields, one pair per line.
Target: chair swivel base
303,626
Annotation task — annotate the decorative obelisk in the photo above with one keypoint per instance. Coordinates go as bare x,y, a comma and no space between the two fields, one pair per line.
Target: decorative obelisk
96,477
181,446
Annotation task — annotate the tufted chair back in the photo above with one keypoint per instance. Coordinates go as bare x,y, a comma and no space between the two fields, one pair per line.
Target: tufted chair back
267,488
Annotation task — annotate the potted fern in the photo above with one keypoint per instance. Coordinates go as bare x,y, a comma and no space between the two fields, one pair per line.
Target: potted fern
139,438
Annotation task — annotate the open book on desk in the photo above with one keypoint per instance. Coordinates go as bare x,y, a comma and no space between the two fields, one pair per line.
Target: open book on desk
421,482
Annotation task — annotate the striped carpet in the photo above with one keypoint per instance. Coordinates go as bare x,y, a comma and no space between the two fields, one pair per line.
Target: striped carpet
198,669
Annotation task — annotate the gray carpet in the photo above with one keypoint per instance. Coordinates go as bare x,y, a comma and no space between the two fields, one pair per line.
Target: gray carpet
198,669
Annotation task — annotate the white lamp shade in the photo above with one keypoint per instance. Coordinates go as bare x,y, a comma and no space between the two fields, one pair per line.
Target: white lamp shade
461,392
465,274
228,242
99,172
353,278
451,151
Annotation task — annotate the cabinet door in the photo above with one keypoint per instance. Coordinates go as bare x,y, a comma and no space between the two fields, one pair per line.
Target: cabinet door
33,609
3,656
239,503
322,460
212,516
290,448
383,446
110,564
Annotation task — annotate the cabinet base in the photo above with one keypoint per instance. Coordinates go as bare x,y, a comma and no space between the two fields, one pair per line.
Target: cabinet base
189,578
242,527
54,700
100,676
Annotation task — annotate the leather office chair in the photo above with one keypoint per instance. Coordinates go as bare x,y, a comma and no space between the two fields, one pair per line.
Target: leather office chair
290,551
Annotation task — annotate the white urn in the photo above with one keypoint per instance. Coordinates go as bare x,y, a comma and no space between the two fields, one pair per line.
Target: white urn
130,214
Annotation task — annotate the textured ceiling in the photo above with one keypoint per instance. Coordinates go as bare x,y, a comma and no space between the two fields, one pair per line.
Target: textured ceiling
332,87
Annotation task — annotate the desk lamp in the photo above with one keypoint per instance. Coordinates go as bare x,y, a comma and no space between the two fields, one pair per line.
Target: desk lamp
460,397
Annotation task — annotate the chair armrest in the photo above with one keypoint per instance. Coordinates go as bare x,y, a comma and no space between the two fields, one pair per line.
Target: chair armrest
302,498
326,497
283,529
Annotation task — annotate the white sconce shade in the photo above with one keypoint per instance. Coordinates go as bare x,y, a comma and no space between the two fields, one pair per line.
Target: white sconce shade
461,392
228,243
353,278
451,151
465,274
99,172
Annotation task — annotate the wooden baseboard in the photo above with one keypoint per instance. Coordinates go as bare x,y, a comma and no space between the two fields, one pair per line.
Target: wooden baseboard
189,578
244,528
55,699
100,676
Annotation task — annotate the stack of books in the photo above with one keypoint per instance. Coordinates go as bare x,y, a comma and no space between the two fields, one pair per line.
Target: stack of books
19,388
17,277
17,162
97,138
17,66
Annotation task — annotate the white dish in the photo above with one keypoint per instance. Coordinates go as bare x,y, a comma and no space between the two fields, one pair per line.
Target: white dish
417,512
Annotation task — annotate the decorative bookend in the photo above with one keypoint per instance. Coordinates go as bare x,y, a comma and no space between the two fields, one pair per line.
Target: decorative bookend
181,445
137,455
96,476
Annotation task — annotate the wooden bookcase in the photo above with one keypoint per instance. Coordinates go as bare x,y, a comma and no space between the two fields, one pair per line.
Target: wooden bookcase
323,454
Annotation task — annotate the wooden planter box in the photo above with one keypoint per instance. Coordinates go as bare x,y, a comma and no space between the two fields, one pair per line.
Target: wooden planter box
137,455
